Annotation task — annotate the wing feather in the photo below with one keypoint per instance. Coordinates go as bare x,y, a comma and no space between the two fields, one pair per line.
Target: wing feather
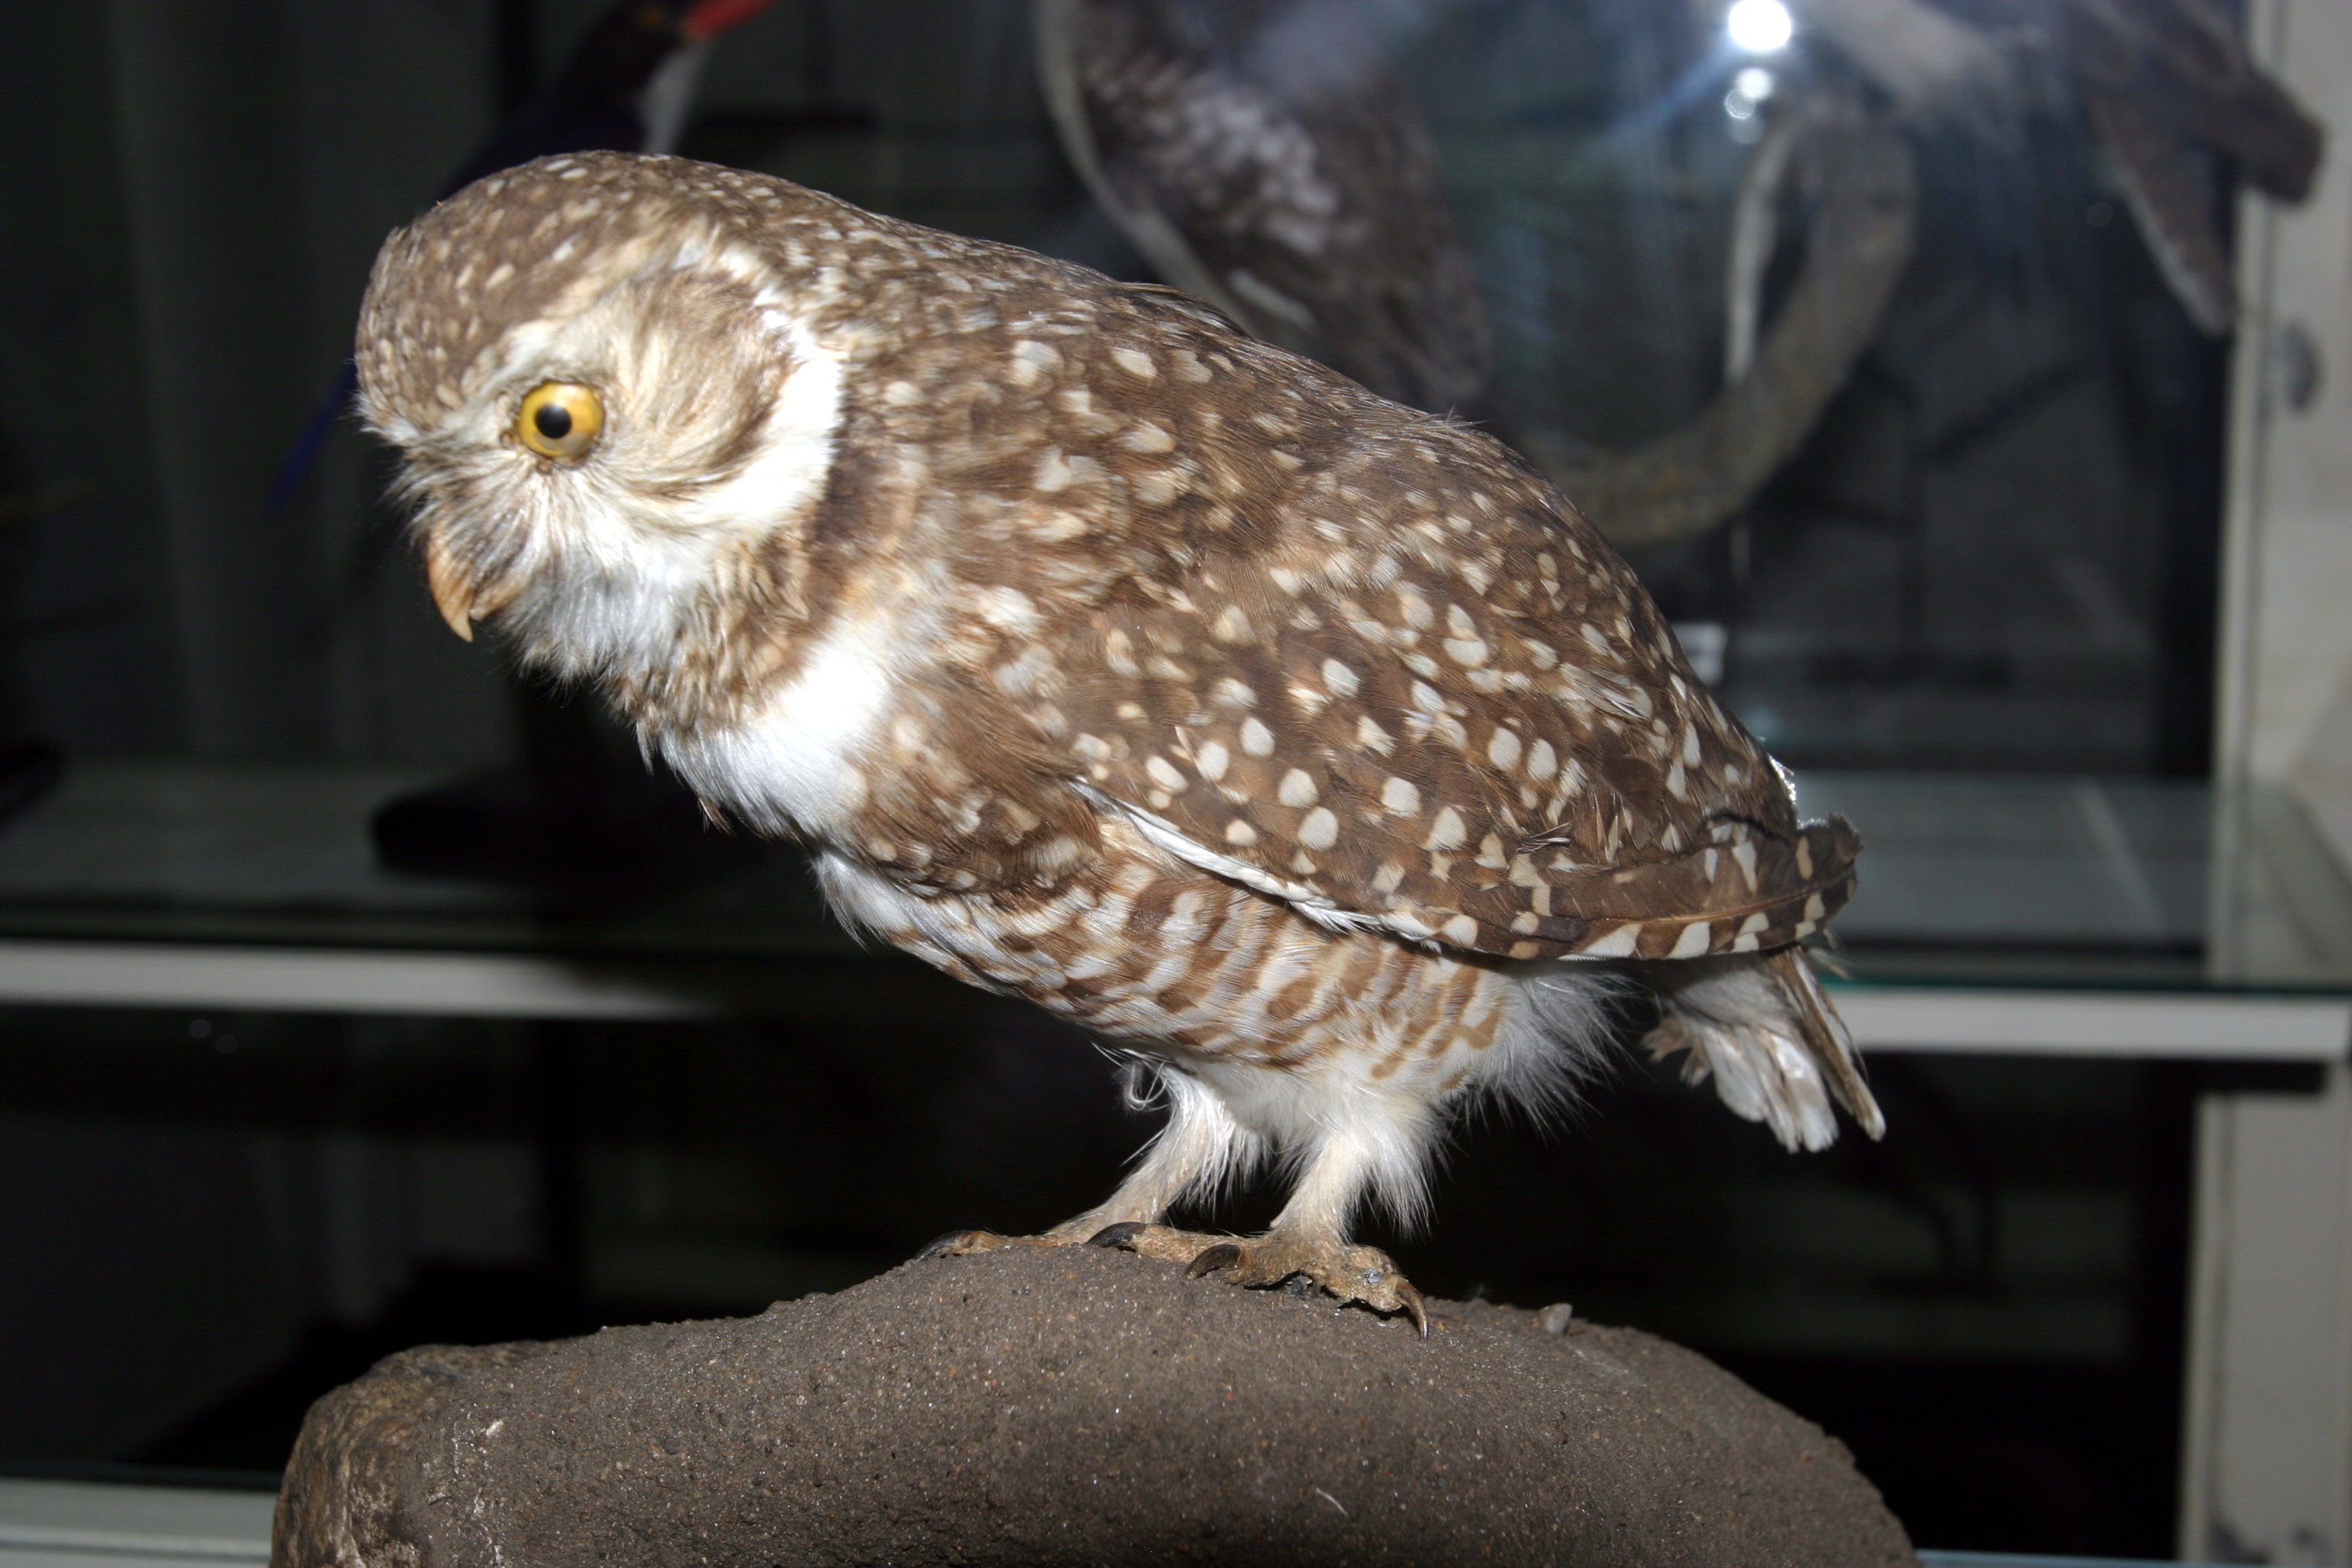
1473,734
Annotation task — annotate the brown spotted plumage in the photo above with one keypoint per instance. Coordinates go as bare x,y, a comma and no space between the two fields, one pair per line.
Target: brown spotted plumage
1311,748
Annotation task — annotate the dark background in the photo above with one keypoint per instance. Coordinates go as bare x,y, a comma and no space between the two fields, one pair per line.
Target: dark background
223,1217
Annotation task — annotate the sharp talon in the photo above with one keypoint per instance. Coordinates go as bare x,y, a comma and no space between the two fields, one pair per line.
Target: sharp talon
945,1246
1224,1255
1119,1233
1412,1303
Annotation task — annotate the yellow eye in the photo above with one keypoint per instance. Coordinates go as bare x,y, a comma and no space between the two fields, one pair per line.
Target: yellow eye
560,419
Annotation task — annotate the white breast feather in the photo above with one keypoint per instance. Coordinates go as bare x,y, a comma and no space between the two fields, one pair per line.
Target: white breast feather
792,768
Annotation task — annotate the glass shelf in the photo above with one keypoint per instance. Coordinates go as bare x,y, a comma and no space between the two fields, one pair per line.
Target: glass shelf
2019,881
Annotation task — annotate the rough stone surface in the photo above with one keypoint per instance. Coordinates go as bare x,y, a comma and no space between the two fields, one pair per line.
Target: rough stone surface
1041,1406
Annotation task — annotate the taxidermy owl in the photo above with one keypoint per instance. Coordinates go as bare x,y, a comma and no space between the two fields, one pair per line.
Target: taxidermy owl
1307,747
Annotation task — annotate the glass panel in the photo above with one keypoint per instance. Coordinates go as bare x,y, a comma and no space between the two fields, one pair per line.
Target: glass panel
1953,557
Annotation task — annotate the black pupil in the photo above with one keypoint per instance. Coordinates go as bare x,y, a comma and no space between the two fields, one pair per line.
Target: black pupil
554,421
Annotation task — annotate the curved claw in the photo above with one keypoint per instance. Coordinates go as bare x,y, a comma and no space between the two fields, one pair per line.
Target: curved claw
956,1242
1415,1306
1120,1233
1224,1255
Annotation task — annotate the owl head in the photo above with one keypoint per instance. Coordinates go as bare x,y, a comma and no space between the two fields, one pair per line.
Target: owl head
609,396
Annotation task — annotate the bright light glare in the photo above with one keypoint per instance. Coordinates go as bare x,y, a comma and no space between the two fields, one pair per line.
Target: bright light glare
1753,83
1760,26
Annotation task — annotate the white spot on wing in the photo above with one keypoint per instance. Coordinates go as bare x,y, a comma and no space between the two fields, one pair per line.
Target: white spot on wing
1618,943
1173,841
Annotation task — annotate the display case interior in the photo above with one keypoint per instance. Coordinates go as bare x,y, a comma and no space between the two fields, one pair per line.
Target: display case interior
1911,399
1962,573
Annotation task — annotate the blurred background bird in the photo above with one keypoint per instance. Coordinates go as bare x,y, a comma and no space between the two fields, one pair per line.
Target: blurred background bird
1266,155
2165,87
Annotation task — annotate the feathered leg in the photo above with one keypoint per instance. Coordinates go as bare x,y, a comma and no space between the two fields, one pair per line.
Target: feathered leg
1200,1151
1342,1141
1342,1144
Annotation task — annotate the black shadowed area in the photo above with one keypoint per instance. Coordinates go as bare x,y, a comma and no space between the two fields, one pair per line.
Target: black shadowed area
1069,1405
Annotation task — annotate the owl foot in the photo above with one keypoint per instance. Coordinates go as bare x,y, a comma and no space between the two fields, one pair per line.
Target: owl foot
959,1243
1070,1233
1363,1274
963,1242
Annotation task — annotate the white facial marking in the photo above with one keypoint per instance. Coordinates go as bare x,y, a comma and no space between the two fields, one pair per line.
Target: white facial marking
795,452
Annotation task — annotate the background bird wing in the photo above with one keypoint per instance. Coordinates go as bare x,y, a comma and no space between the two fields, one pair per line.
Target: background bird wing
1268,157
1456,719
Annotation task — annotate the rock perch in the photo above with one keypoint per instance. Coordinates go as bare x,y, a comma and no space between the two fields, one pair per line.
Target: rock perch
1065,1406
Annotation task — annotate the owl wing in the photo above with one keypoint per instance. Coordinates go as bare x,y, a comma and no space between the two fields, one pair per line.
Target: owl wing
1438,706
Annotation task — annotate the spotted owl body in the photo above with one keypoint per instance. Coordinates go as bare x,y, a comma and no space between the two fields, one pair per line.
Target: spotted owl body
1308,746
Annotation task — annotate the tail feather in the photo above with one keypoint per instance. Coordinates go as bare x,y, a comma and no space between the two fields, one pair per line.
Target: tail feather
1762,1027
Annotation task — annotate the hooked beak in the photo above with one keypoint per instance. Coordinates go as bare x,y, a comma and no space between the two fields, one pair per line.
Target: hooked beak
453,589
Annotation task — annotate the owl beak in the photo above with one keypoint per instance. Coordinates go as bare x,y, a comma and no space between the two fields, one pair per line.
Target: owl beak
452,590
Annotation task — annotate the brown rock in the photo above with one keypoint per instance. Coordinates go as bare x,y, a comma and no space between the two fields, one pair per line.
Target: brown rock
1039,1407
